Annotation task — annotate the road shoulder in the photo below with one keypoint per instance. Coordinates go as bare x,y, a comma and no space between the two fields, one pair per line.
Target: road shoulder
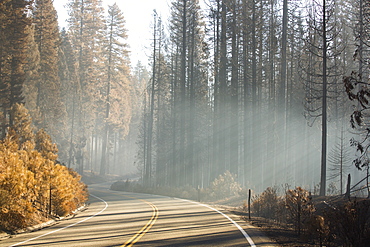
258,236
42,225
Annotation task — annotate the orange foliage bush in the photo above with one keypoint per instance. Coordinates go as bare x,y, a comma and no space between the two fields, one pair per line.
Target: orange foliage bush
15,183
29,176
64,184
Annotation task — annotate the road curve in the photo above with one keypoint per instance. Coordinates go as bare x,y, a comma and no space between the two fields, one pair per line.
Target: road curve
129,219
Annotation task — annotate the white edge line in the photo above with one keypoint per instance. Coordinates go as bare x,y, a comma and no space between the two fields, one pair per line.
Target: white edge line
57,230
247,237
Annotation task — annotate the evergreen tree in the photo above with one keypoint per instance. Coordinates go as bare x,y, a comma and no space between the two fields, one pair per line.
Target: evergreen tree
117,88
86,27
32,77
22,124
15,33
48,101
71,97
188,87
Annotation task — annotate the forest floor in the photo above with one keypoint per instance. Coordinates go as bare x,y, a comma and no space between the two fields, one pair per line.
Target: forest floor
281,235
285,235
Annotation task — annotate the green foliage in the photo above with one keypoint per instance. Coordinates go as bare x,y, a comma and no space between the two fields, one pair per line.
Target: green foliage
28,177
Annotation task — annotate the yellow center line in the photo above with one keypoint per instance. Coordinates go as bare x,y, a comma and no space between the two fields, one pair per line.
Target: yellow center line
145,228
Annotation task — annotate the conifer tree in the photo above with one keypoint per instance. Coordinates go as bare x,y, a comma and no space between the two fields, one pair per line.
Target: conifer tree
117,87
48,99
13,54
22,124
86,31
178,95
71,97
4,67
322,72
32,77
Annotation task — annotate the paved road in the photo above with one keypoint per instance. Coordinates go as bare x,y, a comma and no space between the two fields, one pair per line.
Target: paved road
127,219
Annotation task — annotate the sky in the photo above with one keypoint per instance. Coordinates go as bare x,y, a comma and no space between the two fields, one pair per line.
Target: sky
139,21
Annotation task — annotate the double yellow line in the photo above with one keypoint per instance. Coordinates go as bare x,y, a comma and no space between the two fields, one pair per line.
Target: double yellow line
145,228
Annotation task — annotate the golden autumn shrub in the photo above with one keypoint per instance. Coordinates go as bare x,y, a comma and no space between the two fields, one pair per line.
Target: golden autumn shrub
16,184
65,184
32,184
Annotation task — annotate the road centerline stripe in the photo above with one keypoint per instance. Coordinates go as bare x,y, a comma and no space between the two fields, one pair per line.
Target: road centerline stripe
147,226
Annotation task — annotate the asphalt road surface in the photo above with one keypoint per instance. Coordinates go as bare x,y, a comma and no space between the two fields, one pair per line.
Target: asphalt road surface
129,219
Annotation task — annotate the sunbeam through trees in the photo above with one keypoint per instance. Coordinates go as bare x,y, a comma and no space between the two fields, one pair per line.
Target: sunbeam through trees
258,93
